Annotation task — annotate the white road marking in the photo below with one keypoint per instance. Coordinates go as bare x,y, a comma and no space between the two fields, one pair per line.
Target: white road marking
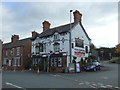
94,85
100,84
103,86
91,86
105,77
117,87
76,80
87,83
81,83
110,86
7,83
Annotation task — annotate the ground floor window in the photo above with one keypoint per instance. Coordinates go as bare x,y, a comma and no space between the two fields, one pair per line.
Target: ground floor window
4,61
35,62
16,62
56,61
59,62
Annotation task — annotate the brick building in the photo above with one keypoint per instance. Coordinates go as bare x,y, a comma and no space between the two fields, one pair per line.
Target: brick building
16,54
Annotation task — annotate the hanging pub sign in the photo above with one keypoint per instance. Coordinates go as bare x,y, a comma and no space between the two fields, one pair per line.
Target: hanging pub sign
79,52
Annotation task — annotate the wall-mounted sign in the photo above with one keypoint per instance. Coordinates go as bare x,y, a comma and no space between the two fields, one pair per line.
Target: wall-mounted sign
79,52
44,55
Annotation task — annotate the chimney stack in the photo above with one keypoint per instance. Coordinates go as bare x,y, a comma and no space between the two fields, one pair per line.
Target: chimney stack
14,38
46,25
77,16
34,34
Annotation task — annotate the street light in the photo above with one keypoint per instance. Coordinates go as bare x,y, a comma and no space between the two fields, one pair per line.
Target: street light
70,49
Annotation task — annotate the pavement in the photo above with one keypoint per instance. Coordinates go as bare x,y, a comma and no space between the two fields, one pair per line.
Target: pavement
106,78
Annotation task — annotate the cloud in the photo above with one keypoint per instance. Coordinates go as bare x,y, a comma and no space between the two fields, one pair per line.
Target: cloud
23,17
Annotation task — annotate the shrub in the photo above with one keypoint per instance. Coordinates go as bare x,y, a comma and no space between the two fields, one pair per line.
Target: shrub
115,60
53,68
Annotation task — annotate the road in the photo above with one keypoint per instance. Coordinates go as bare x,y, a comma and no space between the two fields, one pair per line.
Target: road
106,78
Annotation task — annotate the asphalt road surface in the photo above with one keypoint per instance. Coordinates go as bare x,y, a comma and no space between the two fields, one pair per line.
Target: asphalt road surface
106,78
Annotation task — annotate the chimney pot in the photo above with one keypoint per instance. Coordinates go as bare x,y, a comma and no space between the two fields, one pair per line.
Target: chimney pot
14,38
46,25
34,34
77,16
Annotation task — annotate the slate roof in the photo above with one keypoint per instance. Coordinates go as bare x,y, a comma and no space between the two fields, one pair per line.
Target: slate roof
16,43
60,29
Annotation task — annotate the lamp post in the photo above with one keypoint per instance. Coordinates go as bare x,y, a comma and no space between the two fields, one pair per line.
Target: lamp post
70,49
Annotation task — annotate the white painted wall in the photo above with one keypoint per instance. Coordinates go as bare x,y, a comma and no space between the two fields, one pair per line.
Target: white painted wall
75,33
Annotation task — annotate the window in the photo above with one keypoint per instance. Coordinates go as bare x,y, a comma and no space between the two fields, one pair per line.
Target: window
59,62
56,37
14,62
18,51
52,62
37,48
86,49
12,51
72,45
79,42
18,62
56,61
41,47
4,61
44,47
56,47
6,53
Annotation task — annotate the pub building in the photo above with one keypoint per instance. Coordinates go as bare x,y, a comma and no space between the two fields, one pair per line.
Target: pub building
50,49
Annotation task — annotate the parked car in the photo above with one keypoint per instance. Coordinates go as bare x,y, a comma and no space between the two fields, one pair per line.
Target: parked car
94,66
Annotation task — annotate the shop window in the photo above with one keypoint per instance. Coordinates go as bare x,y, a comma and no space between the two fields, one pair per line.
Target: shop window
59,62
55,62
52,62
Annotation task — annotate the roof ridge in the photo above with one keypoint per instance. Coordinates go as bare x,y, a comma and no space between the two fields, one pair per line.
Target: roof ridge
17,40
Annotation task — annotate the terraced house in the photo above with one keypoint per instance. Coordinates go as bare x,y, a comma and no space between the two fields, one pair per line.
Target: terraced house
51,48
16,54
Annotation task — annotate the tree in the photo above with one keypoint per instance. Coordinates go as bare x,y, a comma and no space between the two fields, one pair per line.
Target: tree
117,50
73,61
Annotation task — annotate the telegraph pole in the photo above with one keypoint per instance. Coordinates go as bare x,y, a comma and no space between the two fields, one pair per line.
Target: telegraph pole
70,48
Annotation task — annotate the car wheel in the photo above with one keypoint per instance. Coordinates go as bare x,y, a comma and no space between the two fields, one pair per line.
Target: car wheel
94,69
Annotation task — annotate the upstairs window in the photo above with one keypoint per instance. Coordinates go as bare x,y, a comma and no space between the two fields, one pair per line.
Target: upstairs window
12,52
56,36
41,47
6,53
44,47
56,47
79,43
18,51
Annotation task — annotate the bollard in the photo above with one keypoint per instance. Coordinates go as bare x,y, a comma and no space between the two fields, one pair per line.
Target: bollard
38,71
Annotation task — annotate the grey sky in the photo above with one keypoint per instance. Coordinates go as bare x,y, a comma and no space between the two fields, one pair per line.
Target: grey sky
100,19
